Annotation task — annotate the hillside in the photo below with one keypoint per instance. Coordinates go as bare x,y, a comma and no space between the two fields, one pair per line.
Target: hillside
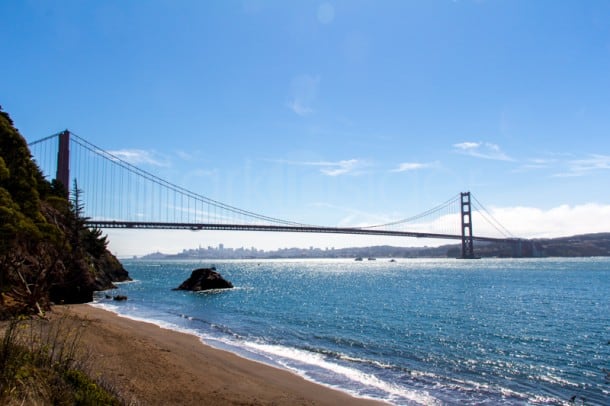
576,246
47,255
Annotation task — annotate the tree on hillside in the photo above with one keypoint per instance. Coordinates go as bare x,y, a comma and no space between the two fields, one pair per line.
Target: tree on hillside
22,182
26,239
47,254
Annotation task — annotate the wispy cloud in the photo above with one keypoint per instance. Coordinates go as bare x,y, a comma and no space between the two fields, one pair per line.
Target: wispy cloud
343,167
560,166
300,108
414,166
139,157
185,156
484,150
352,217
542,162
340,167
303,93
581,167
536,164
326,13
205,173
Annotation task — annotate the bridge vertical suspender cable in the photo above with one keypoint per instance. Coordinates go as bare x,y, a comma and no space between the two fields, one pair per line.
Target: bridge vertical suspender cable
144,200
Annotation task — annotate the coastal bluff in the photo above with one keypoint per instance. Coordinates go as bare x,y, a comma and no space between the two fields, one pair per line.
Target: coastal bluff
204,279
48,253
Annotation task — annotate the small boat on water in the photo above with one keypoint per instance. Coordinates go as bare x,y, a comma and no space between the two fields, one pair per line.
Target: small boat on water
392,260
372,259
358,259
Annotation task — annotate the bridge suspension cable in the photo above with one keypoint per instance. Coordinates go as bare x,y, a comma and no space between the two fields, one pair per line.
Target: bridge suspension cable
33,143
109,157
441,207
490,219
118,194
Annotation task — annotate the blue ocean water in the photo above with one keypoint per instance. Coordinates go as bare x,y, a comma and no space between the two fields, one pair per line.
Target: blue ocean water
415,331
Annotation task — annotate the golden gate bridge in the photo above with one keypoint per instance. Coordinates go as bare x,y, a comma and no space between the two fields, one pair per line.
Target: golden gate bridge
121,195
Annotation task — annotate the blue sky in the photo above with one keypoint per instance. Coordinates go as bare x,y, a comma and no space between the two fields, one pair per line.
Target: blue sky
330,112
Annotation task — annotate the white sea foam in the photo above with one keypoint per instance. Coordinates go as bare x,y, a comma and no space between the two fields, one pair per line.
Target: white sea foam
367,361
556,379
299,361
127,282
105,306
287,354
234,346
162,324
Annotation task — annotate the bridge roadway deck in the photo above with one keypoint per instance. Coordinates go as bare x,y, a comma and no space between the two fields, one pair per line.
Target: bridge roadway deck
280,228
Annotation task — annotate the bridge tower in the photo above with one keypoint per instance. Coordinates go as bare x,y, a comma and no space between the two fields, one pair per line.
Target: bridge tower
63,161
467,242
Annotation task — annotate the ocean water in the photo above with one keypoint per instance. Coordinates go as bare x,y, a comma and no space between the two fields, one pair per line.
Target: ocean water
410,332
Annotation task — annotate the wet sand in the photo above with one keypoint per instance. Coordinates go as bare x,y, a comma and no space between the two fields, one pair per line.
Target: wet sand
150,365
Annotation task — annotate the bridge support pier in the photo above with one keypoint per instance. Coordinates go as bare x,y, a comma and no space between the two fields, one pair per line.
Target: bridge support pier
63,161
467,241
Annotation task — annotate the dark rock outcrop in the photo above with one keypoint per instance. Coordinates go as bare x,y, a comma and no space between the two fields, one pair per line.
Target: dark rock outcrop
109,270
83,276
205,279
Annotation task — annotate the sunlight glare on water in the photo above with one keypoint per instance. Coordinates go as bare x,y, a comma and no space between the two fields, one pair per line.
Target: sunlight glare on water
422,331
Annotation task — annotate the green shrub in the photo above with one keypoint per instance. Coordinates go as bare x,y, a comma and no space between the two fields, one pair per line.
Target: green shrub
43,363
86,392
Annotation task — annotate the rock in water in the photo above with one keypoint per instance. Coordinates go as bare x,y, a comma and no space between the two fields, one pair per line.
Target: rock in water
205,279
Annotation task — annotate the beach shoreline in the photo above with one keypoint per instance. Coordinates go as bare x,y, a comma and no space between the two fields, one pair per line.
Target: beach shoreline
152,365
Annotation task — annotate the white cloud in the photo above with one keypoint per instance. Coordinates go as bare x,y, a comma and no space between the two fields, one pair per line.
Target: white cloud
542,161
413,166
205,173
185,156
326,13
340,167
560,221
484,150
467,145
581,167
563,167
343,167
300,109
138,157
353,217
520,221
304,91
536,164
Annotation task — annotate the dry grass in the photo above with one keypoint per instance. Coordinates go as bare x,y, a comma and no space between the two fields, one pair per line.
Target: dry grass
42,362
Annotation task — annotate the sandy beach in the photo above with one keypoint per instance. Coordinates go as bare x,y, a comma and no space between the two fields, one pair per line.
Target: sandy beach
154,366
